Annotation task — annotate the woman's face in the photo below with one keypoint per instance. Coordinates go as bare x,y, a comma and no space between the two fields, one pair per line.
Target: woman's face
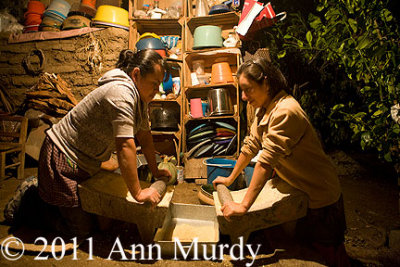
257,95
148,85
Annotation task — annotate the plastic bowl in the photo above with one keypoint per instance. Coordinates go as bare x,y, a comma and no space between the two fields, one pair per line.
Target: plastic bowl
219,9
112,15
150,43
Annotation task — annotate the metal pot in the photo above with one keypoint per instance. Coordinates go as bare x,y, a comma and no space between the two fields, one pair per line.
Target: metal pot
220,102
164,119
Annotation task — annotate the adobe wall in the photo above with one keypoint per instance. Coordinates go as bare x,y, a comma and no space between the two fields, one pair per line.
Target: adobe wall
80,61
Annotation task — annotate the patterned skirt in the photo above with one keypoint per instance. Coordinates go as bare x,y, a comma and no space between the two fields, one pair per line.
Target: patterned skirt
58,176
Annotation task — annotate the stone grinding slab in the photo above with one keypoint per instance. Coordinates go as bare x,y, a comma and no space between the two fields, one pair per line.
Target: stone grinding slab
277,203
106,194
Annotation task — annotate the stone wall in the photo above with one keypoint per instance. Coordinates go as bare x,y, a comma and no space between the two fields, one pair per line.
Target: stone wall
80,61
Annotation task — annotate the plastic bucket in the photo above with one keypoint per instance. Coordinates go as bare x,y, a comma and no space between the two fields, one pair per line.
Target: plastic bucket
60,6
35,7
196,110
219,167
221,73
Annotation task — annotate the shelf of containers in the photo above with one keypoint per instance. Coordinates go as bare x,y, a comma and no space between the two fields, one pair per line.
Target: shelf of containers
194,167
168,143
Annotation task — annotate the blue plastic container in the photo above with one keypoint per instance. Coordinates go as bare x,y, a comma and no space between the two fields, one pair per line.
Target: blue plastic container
167,85
219,167
205,108
248,174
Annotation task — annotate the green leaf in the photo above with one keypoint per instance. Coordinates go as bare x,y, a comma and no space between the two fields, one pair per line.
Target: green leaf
363,42
309,38
287,36
336,107
316,23
387,15
320,8
353,24
360,115
377,113
300,43
388,157
282,54
340,49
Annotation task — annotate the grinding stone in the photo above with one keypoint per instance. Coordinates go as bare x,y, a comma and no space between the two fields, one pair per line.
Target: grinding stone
106,194
277,203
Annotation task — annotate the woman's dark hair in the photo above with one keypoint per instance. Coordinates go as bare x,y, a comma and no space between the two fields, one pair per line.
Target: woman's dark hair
145,60
260,70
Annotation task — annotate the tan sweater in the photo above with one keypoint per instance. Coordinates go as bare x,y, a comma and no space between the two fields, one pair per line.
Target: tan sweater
290,145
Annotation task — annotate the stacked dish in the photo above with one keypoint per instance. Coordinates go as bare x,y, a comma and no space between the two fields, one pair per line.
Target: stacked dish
211,139
33,17
54,16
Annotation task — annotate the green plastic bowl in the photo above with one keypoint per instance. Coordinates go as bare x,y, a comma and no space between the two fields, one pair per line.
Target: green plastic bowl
207,36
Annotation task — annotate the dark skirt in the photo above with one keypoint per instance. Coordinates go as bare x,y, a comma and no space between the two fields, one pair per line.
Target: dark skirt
325,225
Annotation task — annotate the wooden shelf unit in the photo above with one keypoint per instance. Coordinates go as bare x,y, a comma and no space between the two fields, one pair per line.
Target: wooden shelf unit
184,27
164,140
210,56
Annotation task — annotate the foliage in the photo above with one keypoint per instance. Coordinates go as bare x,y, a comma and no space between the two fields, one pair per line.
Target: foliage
351,47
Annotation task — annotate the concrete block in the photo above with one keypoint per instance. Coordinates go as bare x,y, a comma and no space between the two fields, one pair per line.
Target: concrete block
277,203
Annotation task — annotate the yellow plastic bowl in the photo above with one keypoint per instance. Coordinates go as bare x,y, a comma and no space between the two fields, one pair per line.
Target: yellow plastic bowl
149,35
112,15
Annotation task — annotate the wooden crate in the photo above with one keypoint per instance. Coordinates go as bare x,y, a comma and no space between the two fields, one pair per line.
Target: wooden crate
220,55
157,26
163,4
163,27
226,21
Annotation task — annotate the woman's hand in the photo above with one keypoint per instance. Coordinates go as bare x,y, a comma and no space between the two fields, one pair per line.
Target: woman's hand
233,209
222,180
162,174
149,195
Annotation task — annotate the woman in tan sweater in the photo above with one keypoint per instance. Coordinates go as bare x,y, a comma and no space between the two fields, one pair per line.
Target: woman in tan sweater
289,146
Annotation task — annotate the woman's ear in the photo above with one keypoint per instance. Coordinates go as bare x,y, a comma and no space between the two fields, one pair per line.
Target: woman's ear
135,74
